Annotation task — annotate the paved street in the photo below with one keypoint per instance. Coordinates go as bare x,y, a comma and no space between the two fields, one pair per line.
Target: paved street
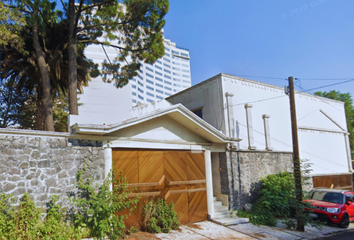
209,230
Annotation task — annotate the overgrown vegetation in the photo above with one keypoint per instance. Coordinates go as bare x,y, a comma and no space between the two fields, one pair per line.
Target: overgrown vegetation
97,213
277,200
160,217
97,206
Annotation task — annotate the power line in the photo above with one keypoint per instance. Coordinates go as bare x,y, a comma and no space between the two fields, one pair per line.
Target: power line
330,85
261,100
325,79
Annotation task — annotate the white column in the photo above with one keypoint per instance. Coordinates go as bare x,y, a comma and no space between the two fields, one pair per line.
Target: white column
249,127
107,161
266,132
209,182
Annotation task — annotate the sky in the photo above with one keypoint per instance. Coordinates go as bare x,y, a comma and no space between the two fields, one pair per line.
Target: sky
268,40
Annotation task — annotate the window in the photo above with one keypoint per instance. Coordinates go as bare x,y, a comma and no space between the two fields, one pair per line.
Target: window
140,71
158,61
165,70
185,65
186,76
133,79
158,67
141,84
148,81
176,63
167,65
167,94
140,77
150,88
134,101
142,98
167,76
185,86
140,90
184,70
149,100
170,89
198,112
186,81
150,94
176,85
167,60
184,55
167,54
134,86
159,85
134,93
149,75
159,79
169,83
176,74
184,60
149,69
174,90
175,52
176,79
158,73
174,68
159,97
159,91
166,48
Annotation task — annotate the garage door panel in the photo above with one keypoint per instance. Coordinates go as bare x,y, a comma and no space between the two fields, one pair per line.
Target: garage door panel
177,176
175,165
151,168
180,201
127,162
197,206
195,166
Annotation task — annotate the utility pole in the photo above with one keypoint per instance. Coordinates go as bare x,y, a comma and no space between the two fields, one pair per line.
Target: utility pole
296,157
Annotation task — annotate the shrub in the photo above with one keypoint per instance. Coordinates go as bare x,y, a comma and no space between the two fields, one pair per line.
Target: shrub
160,217
277,200
98,208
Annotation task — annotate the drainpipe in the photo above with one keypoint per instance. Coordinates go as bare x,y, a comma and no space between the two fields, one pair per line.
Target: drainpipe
349,155
229,112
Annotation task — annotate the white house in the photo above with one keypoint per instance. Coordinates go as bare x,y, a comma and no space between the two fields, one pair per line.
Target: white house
259,114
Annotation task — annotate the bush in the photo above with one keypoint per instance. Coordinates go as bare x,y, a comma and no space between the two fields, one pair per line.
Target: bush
160,217
98,208
96,213
277,200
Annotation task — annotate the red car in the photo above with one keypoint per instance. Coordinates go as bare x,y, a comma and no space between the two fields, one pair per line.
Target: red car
332,205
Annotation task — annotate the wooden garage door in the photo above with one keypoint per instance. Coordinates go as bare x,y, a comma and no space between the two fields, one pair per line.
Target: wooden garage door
177,176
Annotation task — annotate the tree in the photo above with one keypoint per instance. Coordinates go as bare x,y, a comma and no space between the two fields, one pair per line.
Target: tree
348,107
134,27
23,67
11,23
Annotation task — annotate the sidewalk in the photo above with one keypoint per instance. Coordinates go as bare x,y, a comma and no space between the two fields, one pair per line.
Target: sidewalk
209,230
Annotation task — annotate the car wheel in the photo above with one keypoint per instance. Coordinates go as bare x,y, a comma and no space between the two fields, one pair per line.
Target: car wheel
345,221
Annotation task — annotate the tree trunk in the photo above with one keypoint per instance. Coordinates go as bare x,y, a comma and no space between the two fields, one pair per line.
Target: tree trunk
46,101
73,106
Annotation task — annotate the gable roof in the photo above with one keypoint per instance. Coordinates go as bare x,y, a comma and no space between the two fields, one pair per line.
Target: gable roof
177,112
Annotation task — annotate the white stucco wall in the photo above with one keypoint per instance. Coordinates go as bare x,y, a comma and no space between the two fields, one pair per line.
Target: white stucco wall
321,121
207,96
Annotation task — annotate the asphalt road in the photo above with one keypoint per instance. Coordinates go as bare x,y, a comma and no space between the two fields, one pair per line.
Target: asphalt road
340,236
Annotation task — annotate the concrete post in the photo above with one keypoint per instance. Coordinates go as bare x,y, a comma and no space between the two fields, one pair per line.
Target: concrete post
249,127
107,161
209,182
266,132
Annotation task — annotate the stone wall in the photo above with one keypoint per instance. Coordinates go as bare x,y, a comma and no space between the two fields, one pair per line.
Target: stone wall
44,166
245,170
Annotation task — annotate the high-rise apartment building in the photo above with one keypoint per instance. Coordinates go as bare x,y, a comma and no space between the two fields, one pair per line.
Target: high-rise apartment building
103,103
168,75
